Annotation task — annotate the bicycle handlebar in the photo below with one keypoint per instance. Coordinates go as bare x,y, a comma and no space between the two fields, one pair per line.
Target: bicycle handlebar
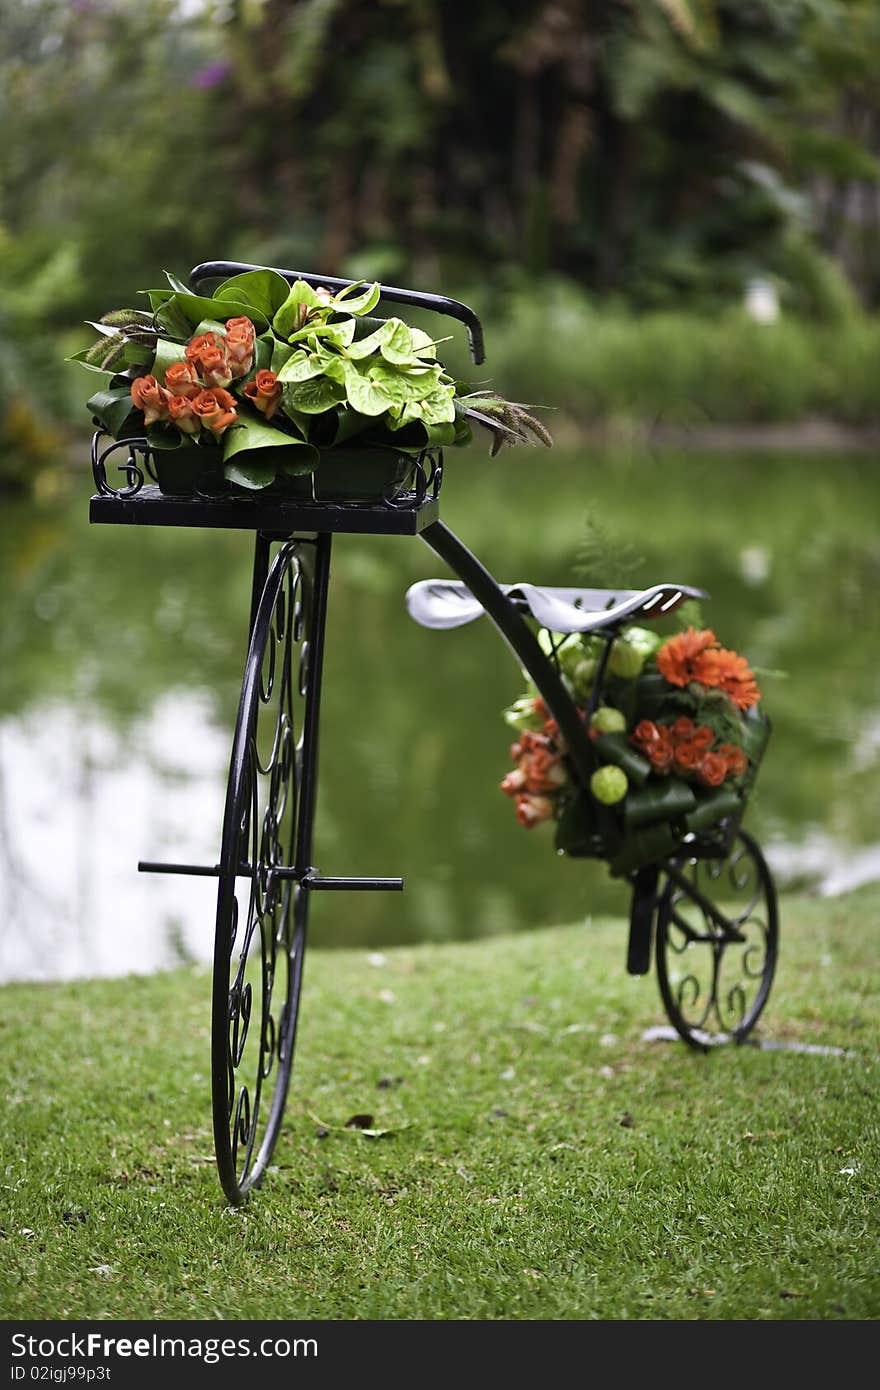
437,303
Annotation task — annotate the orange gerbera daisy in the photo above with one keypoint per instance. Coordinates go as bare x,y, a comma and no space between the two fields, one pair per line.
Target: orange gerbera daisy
729,672
676,658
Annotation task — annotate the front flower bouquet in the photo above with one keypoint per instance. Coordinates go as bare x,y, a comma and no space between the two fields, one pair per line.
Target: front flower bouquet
677,737
268,384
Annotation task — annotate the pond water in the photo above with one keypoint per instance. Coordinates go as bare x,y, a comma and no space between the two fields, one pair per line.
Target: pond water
121,654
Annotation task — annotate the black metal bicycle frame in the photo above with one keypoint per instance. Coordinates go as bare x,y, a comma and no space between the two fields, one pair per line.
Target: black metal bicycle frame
521,640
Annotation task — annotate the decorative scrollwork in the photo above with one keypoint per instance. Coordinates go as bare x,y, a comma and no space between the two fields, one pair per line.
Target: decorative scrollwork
421,482
716,943
261,916
133,470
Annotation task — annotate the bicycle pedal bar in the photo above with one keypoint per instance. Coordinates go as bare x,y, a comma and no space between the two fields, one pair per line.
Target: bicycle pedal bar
308,879
333,885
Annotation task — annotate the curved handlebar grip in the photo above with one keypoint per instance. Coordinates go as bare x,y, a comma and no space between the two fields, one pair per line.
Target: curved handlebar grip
438,303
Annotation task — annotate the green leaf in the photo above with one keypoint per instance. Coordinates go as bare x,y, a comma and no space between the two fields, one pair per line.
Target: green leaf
281,353
250,475
173,321
210,326
397,345
137,354
313,396
576,826
80,357
166,353
195,307
367,347
424,344
253,434
334,368
664,800
334,332
305,462
350,424
360,304
113,407
366,396
158,297
265,290
165,436
263,348
302,366
439,407
288,316
176,285
342,330
403,386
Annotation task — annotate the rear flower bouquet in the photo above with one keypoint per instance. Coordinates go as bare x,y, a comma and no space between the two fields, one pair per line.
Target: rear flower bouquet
260,381
677,736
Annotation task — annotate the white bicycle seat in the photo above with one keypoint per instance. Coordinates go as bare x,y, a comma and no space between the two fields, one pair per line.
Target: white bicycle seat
446,603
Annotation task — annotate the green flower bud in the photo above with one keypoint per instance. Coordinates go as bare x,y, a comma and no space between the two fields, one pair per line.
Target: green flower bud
644,640
625,660
609,785
608,721
521,715
582,677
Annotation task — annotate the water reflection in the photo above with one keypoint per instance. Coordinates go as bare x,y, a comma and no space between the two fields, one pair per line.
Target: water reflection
121,653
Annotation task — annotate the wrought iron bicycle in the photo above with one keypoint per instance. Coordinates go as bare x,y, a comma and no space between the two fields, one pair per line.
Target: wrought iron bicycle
706,912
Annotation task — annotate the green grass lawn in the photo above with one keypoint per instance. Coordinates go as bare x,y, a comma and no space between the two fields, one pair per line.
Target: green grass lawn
544,1160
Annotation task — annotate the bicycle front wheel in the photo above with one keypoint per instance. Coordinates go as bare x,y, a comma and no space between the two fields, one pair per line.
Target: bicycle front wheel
262,914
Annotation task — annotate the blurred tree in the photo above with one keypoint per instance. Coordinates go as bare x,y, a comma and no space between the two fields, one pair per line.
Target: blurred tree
656,149
662,151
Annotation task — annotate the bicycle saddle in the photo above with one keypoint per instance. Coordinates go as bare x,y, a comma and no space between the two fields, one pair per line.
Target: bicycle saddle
443,603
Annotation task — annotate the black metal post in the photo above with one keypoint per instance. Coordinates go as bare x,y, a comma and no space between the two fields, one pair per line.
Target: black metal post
521,640
309,765
262,546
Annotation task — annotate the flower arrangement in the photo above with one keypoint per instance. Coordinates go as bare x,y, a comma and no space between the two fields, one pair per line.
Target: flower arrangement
677,740
262,363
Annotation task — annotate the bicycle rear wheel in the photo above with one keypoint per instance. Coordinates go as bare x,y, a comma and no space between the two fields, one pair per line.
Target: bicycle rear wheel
262,913
717,938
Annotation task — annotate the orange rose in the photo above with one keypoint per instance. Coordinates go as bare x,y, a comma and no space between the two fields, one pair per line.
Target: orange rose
531,810
529,740
660,755
703,737
682,728
687,757
181,413
240,336
182,379
645,732
543,771
712,770
264,393
201,342
151,398
514,783
207,353
213,367
735,757
215,410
